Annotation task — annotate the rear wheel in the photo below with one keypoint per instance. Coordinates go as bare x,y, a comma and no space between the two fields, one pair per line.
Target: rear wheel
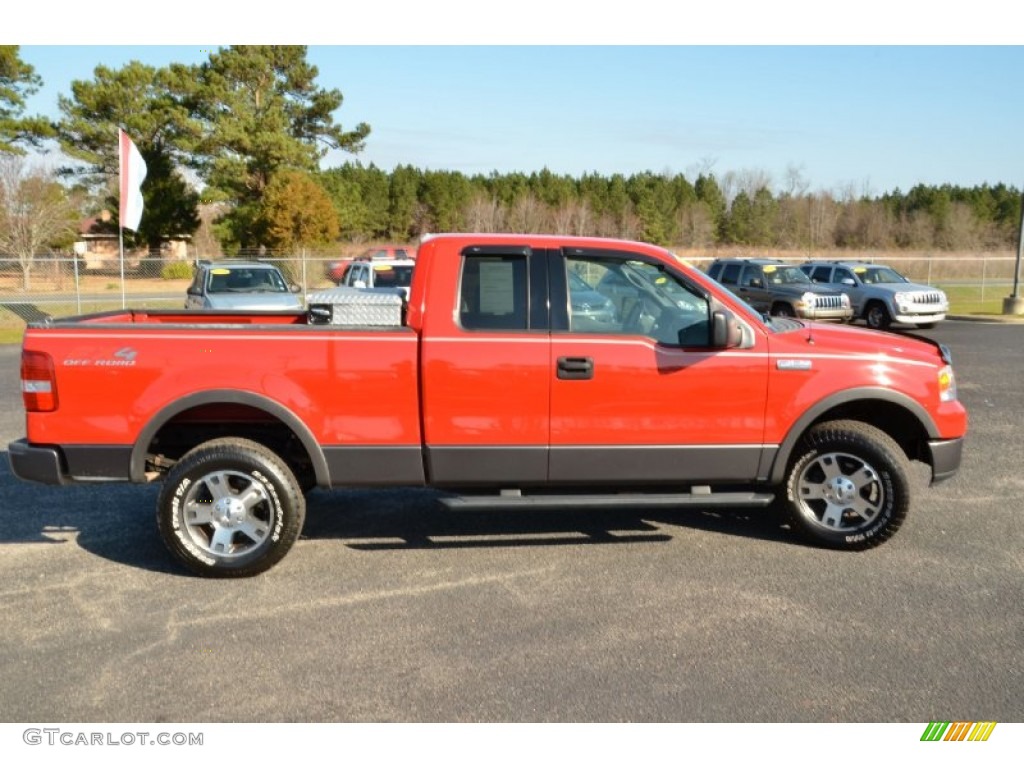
848,486
877,316
230,508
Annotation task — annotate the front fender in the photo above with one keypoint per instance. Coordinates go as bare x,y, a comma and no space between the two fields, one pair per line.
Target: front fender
775,463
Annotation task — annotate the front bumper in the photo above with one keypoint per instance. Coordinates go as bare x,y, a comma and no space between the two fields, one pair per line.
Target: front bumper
37,463
945,458
913,318
827,315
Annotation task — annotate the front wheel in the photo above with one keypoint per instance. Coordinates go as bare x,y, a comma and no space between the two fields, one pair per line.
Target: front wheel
848,487
230,508
877,316
781,309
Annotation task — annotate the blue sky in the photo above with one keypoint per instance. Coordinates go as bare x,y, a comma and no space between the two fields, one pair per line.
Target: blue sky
869,117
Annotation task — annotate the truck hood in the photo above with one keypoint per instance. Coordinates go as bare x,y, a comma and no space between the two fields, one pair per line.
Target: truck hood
904,287
799,289
846,339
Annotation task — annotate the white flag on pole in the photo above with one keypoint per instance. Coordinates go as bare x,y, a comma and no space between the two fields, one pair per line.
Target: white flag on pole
132,174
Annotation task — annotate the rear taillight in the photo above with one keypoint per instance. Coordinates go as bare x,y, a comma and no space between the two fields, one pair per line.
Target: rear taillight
38,382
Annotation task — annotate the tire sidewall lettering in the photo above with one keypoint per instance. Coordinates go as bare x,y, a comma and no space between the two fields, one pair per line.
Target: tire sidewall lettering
868,445
275,502
178,527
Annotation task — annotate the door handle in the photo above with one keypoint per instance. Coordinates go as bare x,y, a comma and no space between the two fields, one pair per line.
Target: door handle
575,368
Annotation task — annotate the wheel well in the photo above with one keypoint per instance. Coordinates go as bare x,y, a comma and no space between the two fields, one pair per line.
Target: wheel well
209,421
893,419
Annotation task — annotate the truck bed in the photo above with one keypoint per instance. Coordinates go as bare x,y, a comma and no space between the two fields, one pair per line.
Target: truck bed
184,375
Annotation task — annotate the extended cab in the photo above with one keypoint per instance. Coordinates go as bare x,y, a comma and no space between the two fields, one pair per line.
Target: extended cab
499,387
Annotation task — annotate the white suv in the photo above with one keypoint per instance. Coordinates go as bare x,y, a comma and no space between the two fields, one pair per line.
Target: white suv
881,295
381,274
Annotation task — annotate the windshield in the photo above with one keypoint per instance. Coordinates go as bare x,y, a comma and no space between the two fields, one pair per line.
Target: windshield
392,277
246,280
785,275
875,275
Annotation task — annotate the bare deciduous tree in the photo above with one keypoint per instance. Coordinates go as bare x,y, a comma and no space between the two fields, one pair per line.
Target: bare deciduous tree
823,213
528,215
484,214
36,213
795,185
582,218
696,225
748,181
961,231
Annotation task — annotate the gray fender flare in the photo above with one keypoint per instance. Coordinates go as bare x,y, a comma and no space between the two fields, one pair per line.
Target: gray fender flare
137,466
777,462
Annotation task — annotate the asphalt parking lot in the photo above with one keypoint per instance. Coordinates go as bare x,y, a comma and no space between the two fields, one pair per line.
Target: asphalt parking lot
393,609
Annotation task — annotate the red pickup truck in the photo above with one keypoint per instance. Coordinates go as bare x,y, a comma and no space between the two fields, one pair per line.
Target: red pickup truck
524,369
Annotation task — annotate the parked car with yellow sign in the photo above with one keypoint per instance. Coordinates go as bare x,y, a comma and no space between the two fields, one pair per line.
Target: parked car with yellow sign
776,288
249,285
392,274
881,295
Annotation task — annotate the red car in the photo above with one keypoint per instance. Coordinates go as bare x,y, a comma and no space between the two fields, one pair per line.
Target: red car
335,269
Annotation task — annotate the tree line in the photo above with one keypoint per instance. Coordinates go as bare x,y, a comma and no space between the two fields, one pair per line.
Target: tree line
669,209
234,146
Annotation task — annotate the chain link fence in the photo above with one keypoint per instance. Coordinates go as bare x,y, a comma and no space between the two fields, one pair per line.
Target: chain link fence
60,286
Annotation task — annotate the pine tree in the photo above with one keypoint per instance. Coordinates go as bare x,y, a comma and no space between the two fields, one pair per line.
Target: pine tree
18,80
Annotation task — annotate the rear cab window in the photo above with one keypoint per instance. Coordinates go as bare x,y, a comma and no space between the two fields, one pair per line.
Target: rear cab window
494,292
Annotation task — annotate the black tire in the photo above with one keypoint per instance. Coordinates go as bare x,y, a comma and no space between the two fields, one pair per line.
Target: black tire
847,486
781,309
877,316
230,508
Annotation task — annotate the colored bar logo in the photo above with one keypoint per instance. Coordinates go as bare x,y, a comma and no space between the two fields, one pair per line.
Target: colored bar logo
958,731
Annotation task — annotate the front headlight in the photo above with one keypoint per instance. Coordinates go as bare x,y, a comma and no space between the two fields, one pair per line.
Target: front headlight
808,300
947,384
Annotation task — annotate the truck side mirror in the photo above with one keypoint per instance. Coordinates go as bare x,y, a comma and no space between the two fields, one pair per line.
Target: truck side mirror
848,281
726,331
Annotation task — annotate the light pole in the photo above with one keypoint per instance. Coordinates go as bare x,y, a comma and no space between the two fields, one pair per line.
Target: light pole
1014,304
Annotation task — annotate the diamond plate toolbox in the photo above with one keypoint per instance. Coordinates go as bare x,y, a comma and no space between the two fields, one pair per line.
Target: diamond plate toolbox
354,306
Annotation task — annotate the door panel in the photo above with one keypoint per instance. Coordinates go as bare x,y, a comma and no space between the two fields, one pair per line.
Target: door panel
651,410
486,390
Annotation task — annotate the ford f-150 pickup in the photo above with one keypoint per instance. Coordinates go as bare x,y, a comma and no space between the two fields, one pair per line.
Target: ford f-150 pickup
499,384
